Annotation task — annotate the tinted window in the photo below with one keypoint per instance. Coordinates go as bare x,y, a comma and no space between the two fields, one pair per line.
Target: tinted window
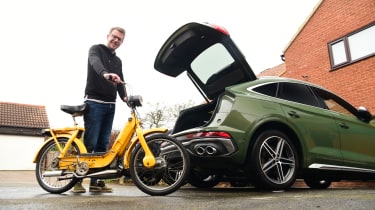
298,93
334,103
268,89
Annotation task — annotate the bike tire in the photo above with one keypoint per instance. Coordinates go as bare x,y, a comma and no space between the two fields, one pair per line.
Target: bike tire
173,165
58,183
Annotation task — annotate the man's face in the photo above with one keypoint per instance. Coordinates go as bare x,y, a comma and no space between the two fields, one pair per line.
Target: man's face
115,39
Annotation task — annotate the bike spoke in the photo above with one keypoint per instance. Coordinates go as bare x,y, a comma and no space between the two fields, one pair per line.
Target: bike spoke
170,171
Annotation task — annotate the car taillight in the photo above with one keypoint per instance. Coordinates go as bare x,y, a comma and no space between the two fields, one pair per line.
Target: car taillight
218,28
221,29
209,134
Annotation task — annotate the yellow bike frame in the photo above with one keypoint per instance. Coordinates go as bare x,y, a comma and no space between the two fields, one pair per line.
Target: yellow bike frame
122,147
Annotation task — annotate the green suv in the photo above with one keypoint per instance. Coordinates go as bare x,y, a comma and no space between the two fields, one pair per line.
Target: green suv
266,132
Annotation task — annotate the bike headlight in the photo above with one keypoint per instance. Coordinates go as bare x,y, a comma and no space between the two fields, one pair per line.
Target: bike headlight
135,100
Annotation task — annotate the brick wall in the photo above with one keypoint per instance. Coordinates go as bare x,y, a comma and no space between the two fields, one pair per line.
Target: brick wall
307,57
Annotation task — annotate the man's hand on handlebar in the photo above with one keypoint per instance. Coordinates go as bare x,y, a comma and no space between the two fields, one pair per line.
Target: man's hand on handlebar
112,77
117,80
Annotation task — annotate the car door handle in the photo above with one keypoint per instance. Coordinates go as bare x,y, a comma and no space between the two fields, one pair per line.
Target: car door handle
293,114
343,125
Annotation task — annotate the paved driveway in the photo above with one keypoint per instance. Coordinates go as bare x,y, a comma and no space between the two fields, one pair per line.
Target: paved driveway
19,190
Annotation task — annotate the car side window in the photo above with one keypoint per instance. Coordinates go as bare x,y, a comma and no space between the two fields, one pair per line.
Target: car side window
267,89
334,103
297,93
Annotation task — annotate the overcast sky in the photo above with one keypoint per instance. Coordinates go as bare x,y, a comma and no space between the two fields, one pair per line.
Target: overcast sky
44,44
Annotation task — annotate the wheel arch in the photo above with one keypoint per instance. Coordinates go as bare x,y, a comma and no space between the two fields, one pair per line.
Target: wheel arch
283,128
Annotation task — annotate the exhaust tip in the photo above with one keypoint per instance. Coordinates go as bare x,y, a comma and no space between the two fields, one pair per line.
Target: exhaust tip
205,150
200,150
210,150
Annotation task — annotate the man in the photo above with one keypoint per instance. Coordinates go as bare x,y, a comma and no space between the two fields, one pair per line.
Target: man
104,76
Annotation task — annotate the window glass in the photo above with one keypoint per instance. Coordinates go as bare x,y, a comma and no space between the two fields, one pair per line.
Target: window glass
338,51
298,93
268,89
362,43
334,103
352,47
211,61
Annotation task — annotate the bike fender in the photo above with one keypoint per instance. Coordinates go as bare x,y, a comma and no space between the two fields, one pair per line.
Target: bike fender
78,142
136,140
154,130
146,133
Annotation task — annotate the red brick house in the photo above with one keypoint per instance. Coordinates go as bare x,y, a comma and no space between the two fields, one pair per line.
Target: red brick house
335,48
275,71
20,134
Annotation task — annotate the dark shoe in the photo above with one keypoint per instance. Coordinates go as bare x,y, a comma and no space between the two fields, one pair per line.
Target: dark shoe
78,188
104,187
95,188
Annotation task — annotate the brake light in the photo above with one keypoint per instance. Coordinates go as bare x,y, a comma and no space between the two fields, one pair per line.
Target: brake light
218,28
220,134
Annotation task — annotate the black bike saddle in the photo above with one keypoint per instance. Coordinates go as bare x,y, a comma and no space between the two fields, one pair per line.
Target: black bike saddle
76,110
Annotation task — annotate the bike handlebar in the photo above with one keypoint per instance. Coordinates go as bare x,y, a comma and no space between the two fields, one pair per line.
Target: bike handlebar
133,100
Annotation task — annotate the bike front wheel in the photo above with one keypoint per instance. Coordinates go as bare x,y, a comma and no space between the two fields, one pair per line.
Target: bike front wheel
171,169
49,177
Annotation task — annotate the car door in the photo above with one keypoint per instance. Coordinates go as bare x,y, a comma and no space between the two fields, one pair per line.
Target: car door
314,123
357,142
357,138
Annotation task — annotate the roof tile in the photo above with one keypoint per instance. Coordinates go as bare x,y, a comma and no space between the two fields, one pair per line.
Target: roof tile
23,115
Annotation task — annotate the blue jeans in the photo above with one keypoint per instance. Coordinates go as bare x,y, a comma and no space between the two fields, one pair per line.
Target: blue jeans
98,120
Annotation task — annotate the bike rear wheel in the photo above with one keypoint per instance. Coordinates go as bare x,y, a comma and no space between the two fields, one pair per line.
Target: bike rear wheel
171,169
49,177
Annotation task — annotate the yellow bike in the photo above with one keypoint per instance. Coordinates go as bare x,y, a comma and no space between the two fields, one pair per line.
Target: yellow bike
157,163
